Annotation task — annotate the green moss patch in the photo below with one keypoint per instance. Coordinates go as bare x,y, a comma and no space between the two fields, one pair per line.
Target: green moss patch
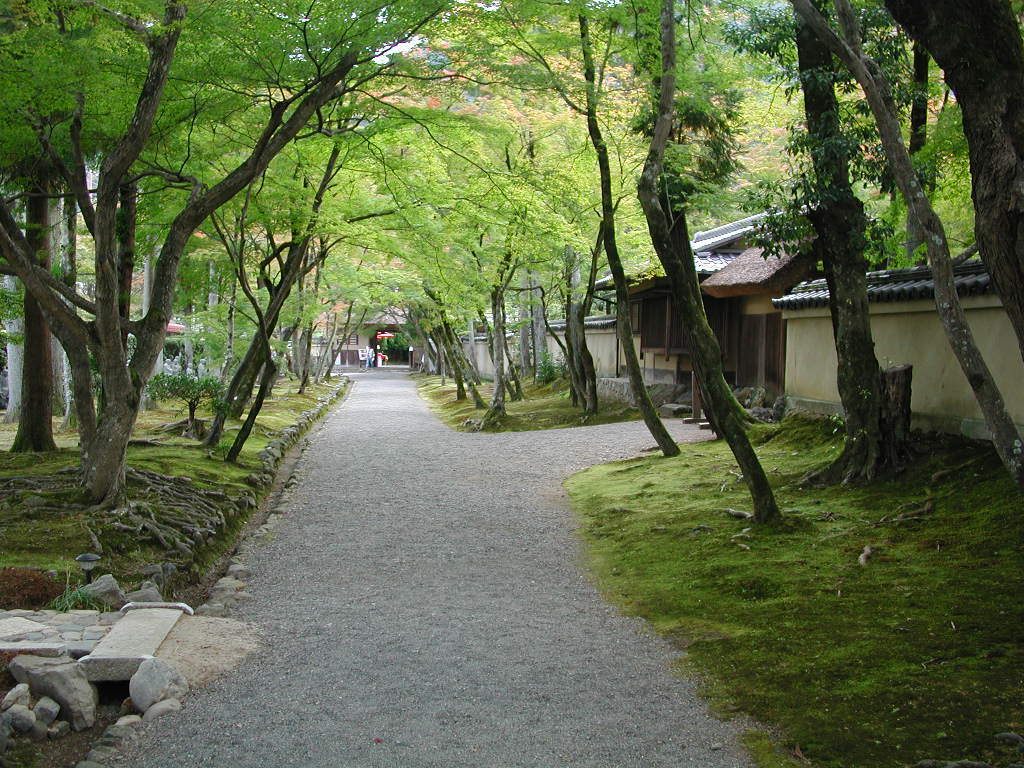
917,654
547,406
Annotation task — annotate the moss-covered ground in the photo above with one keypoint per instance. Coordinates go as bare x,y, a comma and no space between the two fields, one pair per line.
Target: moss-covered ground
917,654
547,406
49,530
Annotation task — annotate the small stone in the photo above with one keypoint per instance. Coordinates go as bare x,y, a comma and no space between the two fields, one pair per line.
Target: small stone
154,681
22,718
162,708
46,710
59,729
109,618
132,720
211,609
89,764
102,754
80,648
119,736
19,694
238,571
715,747
39,731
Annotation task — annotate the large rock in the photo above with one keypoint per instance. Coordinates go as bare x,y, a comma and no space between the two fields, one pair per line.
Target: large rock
106,590
146,593
155,681
17,695
64,681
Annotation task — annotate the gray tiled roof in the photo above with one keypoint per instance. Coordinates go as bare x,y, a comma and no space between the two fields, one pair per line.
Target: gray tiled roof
713,238
915,283
708,263
592,321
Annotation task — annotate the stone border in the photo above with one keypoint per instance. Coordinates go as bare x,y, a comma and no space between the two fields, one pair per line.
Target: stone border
271,456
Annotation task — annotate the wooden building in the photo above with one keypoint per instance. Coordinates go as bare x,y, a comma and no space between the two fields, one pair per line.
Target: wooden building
738,283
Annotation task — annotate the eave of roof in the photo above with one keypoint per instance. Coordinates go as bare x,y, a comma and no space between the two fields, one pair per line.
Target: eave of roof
592,321
913,284
753,273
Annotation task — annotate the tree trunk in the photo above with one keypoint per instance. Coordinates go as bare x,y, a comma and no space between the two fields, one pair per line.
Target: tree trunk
13,327
577,385
515,384
538,325
496,410
527,359
671,242
839,221
1005,438
266,383
127,215
306,342
458,356
918,138
229,346
978,46
641,396
69,264
35,423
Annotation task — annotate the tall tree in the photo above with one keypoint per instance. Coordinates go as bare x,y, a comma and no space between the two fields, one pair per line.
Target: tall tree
669,234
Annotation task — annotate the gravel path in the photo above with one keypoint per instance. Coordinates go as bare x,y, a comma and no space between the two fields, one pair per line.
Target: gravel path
424,605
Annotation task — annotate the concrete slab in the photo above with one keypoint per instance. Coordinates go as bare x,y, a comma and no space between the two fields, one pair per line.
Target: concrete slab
34,648
134,638
15,626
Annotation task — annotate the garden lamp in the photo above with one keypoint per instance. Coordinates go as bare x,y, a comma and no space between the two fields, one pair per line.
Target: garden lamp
87,561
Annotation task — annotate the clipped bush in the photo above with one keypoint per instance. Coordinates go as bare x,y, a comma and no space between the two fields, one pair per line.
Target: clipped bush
26,588
192,390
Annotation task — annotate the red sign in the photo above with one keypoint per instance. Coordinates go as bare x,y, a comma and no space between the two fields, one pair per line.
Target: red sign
385,335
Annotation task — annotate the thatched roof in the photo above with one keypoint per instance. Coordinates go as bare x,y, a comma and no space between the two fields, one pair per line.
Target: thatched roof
752,272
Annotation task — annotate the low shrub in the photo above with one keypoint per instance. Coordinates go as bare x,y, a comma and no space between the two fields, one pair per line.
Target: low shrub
26,588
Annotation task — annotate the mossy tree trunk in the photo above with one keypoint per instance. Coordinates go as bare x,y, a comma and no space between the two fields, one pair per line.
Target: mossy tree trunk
35,422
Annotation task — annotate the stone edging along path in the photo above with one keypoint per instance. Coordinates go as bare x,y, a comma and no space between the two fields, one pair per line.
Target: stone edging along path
271,456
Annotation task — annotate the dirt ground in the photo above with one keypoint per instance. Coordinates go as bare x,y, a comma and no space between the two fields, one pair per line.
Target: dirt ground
204,647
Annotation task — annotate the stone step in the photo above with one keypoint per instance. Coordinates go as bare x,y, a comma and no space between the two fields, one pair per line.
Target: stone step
133,639
692,420
705,425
